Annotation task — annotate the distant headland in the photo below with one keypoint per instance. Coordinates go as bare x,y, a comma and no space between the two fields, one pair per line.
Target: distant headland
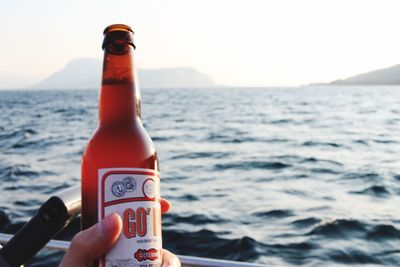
85,73
386,76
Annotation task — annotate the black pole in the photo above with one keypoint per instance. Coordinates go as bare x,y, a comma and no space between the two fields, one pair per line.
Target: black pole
52,216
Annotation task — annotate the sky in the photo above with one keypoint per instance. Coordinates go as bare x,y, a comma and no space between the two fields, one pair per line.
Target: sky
236,42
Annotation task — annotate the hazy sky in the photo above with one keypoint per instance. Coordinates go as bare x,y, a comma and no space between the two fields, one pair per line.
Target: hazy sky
242,42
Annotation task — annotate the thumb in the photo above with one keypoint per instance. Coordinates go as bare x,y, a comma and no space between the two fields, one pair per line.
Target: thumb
91,243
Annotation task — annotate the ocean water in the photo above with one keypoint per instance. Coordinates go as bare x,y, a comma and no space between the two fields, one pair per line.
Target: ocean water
282,176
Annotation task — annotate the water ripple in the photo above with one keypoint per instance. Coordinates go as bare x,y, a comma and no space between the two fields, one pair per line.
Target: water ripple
253,174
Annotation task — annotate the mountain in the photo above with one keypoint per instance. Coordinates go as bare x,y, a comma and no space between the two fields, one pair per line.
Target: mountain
85,73
82,73
387,76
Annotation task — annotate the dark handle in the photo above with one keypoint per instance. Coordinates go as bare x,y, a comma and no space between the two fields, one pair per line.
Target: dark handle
3,262
34,235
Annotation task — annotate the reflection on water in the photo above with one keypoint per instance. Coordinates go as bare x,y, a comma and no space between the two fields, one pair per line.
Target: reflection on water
278,175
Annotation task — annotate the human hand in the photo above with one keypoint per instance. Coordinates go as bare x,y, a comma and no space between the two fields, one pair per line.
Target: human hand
92,243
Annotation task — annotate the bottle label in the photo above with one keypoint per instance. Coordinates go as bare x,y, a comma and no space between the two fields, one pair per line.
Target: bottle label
135,195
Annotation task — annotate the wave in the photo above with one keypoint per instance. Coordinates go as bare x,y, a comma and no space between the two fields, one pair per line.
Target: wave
383,231
282,121
199,155
247,165
379,141
365,176
325,171
17,171
274,213
194,219
220,138
299,253
352,256
188,197
316,160
24,133
161,138
327,144
307,222
257,177
361,142
375,190
206,243
339,228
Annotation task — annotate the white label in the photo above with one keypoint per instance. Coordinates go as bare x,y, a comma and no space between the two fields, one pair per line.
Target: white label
135,195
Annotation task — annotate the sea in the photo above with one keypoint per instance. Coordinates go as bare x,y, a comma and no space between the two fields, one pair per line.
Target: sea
291,176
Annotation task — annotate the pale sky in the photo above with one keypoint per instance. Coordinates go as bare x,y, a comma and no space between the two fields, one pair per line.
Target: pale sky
236,42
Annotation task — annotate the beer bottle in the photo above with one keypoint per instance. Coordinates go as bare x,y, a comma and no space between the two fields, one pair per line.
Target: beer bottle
119,165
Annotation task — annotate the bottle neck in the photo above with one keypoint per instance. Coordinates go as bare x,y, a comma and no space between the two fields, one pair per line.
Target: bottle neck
119,93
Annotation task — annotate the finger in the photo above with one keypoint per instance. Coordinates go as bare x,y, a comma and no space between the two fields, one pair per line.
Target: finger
165,205
169,259
90,244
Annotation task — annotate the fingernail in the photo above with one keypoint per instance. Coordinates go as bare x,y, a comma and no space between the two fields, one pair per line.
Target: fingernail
107,225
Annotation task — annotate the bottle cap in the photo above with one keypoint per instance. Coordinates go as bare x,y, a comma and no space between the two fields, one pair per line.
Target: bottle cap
117,27
116,37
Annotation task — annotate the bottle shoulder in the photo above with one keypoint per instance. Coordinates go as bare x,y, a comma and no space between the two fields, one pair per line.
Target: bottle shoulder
127,145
